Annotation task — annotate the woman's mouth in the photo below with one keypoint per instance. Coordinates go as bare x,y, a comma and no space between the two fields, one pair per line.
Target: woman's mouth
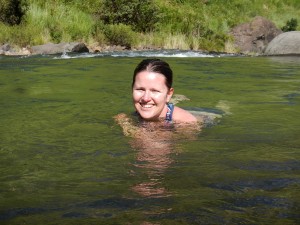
146,106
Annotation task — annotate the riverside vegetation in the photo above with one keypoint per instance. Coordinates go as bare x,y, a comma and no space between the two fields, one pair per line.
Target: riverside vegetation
138,24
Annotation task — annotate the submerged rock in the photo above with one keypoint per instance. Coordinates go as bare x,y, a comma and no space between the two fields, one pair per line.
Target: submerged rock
253,37
209,116
60,48
178,98
287,43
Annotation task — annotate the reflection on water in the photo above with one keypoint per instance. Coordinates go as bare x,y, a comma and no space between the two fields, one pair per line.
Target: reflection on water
154,147
154,143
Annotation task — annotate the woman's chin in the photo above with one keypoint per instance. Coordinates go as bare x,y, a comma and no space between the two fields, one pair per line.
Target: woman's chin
146,116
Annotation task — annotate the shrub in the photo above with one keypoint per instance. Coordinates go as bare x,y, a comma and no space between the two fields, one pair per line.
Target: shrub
18,35
119,34
12,11
141,15
88,6
98,32
291,25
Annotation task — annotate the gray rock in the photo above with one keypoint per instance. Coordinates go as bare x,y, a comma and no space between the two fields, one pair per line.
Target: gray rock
253,37
76,47
60,48
284,44
5,47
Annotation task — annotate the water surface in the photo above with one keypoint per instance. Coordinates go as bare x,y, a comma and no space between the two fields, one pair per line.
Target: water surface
63,159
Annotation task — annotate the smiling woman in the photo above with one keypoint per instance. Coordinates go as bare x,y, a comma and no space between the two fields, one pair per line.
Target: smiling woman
150,95
152,92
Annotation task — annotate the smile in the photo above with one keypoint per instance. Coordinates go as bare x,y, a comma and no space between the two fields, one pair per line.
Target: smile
146,106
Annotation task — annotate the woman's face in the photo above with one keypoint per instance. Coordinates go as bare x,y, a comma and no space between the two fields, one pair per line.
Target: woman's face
150,95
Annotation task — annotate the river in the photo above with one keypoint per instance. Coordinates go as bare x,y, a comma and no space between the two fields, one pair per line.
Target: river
64,160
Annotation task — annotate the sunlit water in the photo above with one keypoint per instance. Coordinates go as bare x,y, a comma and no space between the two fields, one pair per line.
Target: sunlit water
64,160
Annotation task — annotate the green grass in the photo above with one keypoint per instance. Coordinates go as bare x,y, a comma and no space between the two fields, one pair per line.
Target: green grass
59,23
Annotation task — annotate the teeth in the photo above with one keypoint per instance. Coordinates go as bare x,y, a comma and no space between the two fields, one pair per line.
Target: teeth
146,106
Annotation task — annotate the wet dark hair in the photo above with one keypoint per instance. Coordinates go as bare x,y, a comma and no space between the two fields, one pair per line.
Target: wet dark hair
157,66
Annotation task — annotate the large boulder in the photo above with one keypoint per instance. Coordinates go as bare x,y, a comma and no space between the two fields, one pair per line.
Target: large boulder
50,48
253,37
285,44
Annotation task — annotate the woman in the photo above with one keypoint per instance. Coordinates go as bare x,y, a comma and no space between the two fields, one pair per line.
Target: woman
153,130
152,92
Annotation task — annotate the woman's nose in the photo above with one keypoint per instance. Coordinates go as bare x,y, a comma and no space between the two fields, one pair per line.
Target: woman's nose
146,97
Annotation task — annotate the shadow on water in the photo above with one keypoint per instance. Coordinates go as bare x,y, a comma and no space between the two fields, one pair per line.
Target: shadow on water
261,184
290,165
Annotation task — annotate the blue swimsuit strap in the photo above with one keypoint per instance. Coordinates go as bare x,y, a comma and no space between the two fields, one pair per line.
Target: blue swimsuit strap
169,112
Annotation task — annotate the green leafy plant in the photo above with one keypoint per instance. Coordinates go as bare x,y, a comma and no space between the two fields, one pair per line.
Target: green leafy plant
291,25
12,11
141,15
119,34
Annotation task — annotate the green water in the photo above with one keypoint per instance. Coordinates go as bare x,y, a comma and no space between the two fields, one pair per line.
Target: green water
63,160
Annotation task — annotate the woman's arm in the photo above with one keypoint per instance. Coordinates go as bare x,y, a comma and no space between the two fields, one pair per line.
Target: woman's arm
126,123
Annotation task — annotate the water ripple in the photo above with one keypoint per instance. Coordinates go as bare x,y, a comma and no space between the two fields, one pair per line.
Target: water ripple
271,184
148,53
291,165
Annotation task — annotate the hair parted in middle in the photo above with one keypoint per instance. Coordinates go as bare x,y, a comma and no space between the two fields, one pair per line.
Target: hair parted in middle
157,66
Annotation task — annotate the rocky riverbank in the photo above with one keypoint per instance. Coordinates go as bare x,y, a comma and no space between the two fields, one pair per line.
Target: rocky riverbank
258,37
61,48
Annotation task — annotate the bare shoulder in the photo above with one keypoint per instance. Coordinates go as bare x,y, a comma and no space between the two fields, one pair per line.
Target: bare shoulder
182,115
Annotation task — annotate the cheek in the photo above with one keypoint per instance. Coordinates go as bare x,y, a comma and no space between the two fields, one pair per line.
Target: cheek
136,96
159,98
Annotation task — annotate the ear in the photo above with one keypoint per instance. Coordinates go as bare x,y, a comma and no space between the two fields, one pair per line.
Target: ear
169,94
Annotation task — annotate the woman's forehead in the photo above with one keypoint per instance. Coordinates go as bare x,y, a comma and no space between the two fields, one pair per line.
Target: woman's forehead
146,76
